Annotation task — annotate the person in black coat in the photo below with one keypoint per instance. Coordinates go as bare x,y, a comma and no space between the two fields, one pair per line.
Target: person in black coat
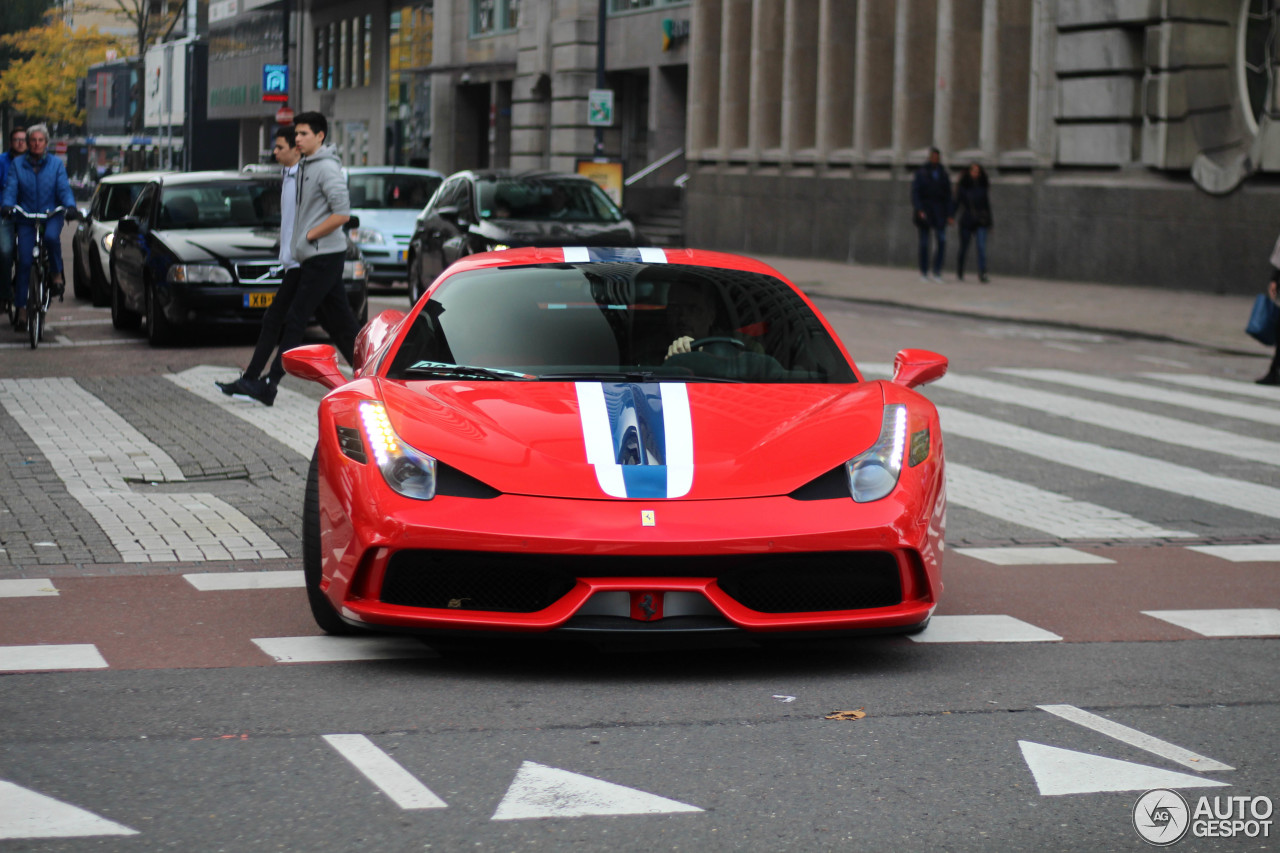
973,209
931,211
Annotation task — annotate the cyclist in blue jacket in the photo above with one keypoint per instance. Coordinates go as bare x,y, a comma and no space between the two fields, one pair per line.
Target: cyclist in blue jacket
17,147
37,183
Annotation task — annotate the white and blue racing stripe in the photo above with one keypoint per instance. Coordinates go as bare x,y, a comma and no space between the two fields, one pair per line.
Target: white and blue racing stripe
638,437
589,254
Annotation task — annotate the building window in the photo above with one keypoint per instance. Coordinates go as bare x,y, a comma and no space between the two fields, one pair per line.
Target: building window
494,16
344,54
410,33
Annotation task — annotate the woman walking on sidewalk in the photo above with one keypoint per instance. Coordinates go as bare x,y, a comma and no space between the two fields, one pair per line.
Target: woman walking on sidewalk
973,205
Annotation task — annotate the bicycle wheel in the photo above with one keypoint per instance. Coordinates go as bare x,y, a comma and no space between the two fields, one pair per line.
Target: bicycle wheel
37,304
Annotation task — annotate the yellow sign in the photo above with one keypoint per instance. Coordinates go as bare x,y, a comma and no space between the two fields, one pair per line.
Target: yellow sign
606,175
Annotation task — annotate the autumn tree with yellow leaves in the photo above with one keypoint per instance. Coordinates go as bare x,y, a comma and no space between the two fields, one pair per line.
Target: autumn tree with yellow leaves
42,83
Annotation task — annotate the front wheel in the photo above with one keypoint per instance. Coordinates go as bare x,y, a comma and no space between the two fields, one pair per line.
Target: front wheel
322,610
159,328
37,304
121,316
81,283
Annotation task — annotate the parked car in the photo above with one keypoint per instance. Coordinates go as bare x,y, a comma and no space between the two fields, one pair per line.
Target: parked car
635,440
91,244
483,211
387,201
202,247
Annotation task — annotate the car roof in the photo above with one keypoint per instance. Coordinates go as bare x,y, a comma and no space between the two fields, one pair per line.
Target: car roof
183,178
394,170
131,177
533,174
526,256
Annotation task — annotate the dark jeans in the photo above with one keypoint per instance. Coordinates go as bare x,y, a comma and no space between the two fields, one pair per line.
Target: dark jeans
965,234
941,253
314,289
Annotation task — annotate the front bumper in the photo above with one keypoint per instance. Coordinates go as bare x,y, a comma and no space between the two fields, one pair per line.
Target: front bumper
385,265
185,303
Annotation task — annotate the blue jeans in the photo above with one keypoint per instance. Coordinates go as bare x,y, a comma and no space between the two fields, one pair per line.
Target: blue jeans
26,243
925,245
6,260
965,234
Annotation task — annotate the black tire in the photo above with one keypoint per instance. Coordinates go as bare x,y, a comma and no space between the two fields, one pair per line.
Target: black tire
35,304
415,275
121,317
160,331
80,284
322,610
99,287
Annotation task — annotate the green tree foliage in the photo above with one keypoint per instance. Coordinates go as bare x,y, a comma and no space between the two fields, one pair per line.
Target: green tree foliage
41,84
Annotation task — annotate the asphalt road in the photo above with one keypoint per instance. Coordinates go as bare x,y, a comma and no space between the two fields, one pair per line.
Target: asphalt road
1131,648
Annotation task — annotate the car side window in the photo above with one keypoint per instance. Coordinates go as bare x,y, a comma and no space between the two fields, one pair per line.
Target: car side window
98,203
146,200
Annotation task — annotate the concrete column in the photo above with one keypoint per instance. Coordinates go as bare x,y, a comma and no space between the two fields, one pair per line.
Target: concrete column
735,77
901,77
768,26
944,77
837,50
705,23
800,77
531,93
989,107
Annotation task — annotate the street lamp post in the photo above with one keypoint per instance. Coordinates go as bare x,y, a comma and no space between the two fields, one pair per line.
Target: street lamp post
601,29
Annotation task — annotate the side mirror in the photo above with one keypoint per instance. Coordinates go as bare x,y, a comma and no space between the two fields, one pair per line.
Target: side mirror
127,225
912,367
315,363
378,331
448,212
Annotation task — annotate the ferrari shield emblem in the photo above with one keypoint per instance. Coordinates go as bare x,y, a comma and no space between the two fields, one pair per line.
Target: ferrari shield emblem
646,518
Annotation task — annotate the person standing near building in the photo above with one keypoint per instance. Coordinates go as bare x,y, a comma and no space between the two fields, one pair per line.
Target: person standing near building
931,209
37,183
17,147
1272,376
973,210
316,242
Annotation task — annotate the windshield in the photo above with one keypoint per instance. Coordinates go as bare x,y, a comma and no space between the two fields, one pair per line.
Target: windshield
548,199
648,322
391,191
248,204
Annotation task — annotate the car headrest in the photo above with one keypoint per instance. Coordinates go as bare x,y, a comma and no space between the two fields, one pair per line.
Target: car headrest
181,211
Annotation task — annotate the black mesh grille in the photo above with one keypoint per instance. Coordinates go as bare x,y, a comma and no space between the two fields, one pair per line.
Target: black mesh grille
525,583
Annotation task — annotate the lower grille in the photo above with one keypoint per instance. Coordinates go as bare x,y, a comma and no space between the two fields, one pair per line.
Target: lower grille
526,583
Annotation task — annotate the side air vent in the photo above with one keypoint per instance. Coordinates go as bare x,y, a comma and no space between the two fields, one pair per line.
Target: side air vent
352,444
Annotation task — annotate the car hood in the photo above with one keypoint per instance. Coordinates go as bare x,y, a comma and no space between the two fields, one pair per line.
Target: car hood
389,222
739,440
519,232
221,244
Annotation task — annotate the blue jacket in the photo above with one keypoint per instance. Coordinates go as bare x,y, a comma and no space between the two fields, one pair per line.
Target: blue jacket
37,190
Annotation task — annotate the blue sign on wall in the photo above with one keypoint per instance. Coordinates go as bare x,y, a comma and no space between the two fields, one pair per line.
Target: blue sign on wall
275,83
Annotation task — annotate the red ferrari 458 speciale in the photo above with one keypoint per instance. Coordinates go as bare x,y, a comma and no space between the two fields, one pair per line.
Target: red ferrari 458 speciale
619,440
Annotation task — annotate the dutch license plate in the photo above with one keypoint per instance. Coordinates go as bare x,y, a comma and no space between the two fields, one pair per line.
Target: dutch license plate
259,300
400,255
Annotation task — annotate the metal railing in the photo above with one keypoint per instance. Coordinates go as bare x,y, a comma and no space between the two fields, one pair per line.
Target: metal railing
653,167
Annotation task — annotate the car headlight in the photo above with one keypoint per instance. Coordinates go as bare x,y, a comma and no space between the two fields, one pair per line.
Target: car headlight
107,240
353,270
874,472
498,247
407,471
367,235
200,274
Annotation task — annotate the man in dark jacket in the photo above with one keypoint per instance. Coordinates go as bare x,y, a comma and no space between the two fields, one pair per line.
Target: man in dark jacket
931,211
17,147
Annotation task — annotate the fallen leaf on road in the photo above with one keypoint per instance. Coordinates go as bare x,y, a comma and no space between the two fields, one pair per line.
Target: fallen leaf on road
846,715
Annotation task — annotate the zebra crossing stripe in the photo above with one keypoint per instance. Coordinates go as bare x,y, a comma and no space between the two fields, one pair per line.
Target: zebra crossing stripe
1119,464
291,420
97,464
1049,512
1121,419
1145,391
1048,556
1216,383
46,658
982,629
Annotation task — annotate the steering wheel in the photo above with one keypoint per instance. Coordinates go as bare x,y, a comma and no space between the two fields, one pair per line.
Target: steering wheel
700,342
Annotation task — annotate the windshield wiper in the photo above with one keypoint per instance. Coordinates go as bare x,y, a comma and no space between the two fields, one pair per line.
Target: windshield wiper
629,376
436,368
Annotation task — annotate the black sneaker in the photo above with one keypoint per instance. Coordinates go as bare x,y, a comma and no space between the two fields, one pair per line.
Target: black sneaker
1269,379
254,389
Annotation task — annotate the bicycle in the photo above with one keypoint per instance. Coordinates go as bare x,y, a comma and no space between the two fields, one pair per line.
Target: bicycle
40,289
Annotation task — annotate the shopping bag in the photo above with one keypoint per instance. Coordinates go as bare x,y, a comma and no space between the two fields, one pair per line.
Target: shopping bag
1262,320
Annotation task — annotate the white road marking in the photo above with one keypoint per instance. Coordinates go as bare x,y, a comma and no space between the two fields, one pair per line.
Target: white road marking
327,649
539,791
66,343
1146,391
1037,509
49,658
1241,622
1049,556
1262,553
27,588
27,814
384,772
291,420
1060,771
1120,464
220,581
1133,737
1167,362
982,629
1121,419
1217,383
97,464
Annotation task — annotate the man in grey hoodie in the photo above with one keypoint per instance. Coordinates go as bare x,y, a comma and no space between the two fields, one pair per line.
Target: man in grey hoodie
318,245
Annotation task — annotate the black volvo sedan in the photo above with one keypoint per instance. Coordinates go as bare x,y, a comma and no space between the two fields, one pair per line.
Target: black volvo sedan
202,247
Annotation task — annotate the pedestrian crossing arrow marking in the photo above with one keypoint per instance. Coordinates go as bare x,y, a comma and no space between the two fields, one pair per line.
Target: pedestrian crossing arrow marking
539,791
26,814
1063,771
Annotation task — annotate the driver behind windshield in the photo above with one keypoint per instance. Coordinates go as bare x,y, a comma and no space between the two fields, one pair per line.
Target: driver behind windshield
692,317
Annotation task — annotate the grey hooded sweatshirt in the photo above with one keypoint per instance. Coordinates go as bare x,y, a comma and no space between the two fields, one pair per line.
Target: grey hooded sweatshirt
322,190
